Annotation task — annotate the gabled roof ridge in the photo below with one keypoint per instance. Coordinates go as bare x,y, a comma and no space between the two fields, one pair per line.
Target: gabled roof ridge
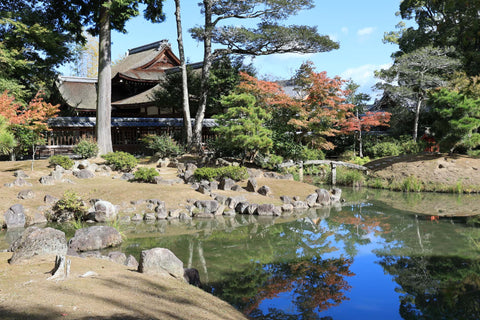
154,45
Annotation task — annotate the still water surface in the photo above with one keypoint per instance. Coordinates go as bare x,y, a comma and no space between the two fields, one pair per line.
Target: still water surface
376,257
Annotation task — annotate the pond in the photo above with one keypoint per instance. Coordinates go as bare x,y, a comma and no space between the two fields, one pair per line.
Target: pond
376,257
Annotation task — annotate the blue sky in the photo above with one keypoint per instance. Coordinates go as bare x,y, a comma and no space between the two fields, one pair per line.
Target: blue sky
357,25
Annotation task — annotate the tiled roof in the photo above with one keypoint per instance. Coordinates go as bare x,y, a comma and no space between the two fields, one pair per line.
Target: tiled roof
88,122
79,93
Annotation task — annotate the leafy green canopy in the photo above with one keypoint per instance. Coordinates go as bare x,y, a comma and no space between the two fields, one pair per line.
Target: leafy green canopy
268,36
242,126
442,23
458,120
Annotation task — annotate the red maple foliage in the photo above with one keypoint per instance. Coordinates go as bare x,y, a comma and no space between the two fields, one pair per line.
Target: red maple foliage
34,115
366,122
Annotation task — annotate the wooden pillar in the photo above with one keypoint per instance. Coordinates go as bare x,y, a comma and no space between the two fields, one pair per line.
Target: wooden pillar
333,176
300,171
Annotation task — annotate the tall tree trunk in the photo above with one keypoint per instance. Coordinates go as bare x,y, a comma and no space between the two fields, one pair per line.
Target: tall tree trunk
104,96
360,142
417,117
187,124
207,63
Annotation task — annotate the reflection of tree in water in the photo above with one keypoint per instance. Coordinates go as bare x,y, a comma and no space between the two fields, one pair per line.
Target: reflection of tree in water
436,287
314,285
354,228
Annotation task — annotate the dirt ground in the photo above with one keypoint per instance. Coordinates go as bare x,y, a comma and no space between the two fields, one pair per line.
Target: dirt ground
430,168
111,292
114,292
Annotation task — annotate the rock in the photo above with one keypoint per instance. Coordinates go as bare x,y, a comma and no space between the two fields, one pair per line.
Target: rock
236,187
220,210
20,174
270,175
266,209
254,173
26,194
323,197
95,238
188,176
191,167
83,164
207,206
56,175
299,205
127,176
137,217
149,216
84,174
38,241
47,181
161,213
286,199
163,163
335,195
50,200
117,257
226,184
106,209
39,217
277,211
184,216
160,261
312,199
242,207
229,213
265,191
287,207
221,198
287,176
213,185
296,198
204,189
131,262
252,209
19,182
15,217
251,185
192,276
174,213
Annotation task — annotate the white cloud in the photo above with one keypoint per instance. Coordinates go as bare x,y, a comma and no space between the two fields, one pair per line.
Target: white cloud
364,76
365,31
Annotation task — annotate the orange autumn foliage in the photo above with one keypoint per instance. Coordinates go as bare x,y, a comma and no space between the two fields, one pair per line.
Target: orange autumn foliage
366,122
34,115
320,114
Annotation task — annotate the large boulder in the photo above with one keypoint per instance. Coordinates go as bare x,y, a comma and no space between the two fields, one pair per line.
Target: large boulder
15,217
37,241
226,184
266,209
105,211
207,206
19,182
84,174
311,199
335,195
252,185
265,191
323,197
26,194
160,261
95,238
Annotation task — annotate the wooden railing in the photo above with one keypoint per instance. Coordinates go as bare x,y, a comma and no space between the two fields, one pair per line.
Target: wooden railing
333,167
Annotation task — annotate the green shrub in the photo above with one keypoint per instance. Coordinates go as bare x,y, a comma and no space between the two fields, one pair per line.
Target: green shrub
163,145
119,160
86,148
411,184
71,205
349,177
385,149
146,174
269,162
312,154
63,161
347,155
232,172
412,147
